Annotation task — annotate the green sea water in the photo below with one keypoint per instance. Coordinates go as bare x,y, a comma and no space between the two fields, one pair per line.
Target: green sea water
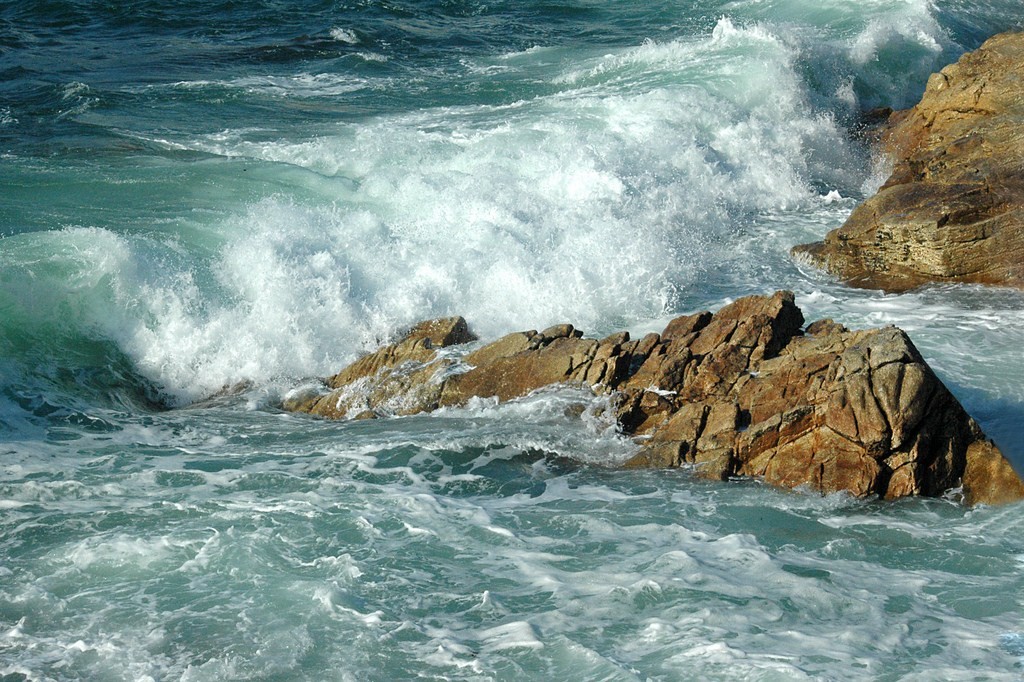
204,195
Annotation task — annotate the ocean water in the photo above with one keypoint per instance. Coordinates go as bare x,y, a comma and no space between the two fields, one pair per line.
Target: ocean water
199,195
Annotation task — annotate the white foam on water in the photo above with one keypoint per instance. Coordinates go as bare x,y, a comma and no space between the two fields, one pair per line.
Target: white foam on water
302,85
76,99
863,55
291,86
373,57
514,635
217,544
601,202
344,35
920,29
105,553
530,52
556,419
177,334
614,574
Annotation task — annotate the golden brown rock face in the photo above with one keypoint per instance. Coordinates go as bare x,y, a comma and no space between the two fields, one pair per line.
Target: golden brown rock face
953,208
746,391
396,377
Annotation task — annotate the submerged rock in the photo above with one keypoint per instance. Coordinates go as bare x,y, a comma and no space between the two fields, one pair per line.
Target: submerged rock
747,391
953,208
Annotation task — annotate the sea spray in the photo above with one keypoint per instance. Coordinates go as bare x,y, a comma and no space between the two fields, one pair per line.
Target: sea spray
198,195
584,204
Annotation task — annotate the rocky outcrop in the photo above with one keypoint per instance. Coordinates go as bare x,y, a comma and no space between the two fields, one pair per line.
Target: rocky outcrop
953,208
747,391
405,377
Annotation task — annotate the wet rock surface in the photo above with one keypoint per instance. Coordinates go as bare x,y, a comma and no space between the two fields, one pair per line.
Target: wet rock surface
746,391
953,208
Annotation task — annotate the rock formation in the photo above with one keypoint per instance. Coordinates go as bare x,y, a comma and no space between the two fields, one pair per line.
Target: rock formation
745,391
953,208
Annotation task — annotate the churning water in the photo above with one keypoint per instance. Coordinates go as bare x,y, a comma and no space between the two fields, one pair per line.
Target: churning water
199,194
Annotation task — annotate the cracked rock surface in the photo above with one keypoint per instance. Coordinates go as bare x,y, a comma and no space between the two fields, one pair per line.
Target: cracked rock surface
746,391
953,208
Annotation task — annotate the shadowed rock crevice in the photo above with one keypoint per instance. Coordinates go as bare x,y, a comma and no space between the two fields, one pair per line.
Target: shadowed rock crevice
746,391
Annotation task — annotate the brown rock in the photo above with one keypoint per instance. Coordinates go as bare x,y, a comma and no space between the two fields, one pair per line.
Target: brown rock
505,347
405,377
416,345
953,208
989,478
742,392
563,359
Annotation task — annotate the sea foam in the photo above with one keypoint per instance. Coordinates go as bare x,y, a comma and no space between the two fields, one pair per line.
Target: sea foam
597,203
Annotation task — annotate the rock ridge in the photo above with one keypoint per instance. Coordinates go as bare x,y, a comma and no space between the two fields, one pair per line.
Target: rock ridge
746,391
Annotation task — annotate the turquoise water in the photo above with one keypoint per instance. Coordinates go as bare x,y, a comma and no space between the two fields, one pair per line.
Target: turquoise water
200,195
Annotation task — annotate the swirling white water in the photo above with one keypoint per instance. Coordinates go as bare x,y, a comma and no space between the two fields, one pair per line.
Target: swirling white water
199,195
